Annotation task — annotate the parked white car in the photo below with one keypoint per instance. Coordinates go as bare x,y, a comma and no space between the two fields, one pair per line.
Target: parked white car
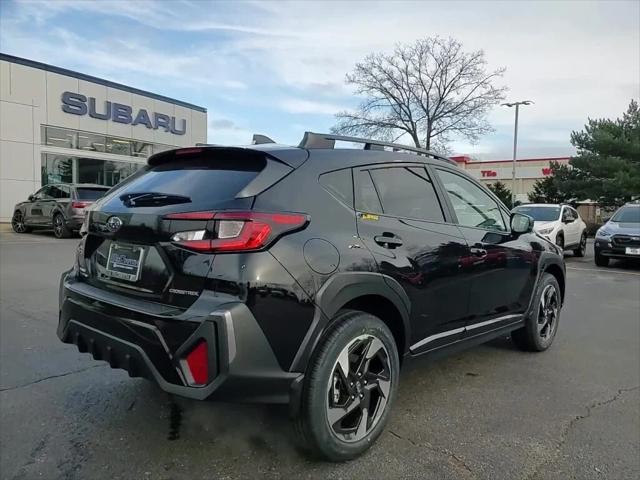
561,224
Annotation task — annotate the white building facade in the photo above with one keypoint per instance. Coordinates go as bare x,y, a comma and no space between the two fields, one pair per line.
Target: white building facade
60,126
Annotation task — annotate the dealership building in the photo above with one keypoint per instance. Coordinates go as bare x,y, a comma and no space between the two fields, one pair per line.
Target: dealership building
58,125
528,171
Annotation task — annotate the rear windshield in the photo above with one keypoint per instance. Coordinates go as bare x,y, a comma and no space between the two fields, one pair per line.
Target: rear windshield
191,183
540,214
627,215
90,193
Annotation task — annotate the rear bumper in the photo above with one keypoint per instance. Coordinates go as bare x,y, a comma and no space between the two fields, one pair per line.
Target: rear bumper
152,343
74,222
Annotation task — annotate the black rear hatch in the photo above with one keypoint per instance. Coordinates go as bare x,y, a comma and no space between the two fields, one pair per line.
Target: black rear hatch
131,243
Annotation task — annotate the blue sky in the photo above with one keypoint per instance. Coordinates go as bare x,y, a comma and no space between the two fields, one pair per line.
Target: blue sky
278,68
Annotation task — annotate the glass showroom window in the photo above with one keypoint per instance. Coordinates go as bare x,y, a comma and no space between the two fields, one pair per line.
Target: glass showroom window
60,137
94,142
56,169
141,149
91,142
104,172
118,146
64,169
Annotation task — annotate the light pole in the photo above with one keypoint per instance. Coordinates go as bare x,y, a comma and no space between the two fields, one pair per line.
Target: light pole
515,147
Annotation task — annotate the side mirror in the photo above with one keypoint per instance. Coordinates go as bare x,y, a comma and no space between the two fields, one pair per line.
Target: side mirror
521,223
31,198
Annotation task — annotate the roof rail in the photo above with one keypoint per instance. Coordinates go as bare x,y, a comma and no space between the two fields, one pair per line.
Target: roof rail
259,139
326,140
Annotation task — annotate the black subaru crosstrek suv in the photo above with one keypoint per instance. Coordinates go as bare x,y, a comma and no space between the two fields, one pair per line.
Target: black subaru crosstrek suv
304,275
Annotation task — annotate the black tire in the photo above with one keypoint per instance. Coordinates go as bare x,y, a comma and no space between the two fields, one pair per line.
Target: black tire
539,331
60,230
601,260
560,241
323,386
17,223
582,248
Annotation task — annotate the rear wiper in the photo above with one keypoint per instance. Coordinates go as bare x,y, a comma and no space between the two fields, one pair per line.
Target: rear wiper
147,199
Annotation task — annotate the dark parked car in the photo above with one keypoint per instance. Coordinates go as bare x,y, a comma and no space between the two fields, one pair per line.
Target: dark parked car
304,275
620,236
58,206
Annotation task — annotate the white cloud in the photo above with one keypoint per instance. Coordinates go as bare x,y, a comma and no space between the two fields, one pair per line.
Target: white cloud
296,105
574,59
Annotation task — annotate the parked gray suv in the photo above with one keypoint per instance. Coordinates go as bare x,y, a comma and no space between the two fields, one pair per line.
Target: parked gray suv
57,206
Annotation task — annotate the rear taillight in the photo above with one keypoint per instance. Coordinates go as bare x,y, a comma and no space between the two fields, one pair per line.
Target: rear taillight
236,231
80,204
196,364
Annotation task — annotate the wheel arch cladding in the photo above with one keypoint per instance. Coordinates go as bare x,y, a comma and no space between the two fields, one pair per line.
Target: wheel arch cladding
558,273
386,311
366,291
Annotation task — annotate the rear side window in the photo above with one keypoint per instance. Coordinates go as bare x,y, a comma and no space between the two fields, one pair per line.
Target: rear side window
366,196
197,183
90,193
339,184
58,191
407,192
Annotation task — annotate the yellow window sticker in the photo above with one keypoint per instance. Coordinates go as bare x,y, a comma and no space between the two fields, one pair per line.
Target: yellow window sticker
369,216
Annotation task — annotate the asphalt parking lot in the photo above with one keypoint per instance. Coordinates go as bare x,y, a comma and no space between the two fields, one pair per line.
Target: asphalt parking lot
492,412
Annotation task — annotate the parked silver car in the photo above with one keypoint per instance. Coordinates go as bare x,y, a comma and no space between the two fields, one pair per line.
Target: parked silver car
58,206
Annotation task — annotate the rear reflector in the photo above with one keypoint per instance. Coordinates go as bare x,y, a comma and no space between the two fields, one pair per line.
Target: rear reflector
236,231
197,363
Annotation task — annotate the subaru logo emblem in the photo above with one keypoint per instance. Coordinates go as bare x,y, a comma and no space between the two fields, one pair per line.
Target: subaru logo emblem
114,224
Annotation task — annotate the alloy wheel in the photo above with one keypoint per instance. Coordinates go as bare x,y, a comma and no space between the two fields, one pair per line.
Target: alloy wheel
548,312
57,226
17,223
358,388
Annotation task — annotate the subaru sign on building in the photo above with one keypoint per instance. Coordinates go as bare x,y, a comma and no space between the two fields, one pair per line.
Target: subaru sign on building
60,126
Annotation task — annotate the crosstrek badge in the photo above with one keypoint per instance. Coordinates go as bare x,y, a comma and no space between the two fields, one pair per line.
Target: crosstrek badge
369,216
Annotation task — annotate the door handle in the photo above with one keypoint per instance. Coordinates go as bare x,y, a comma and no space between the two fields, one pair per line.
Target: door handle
478,252
388,241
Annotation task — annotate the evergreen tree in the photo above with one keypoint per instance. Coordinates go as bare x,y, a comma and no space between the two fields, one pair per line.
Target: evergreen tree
607,166
501,191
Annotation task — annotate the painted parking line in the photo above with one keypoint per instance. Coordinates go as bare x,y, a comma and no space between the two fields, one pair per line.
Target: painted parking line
603,271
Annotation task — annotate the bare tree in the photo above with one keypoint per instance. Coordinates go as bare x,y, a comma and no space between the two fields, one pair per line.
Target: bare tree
431,91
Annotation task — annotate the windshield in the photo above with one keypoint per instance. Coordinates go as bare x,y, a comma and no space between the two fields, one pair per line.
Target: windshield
540,214
90,193
627,215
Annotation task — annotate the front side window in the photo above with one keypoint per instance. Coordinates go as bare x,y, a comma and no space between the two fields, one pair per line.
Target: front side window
39,195
407,192
567,215
472,205
45,193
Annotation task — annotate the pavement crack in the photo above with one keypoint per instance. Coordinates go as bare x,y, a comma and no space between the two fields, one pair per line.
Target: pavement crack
455,459
564,435
17,387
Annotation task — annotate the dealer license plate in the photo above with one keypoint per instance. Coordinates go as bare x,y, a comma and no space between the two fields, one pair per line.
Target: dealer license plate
632,250
124,262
